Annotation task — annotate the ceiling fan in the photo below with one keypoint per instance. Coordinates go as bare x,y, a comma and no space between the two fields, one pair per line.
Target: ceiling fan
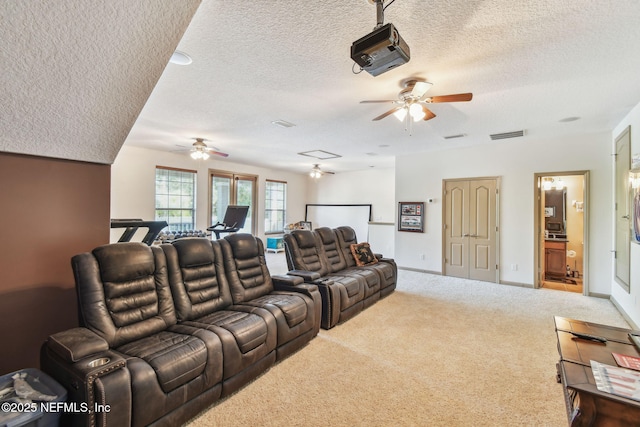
412,103
316,172
200,150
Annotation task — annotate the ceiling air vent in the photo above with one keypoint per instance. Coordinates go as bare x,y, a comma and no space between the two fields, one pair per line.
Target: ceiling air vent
460,135
506,135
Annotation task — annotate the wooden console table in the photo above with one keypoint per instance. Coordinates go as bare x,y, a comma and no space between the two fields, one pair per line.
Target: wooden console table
586,405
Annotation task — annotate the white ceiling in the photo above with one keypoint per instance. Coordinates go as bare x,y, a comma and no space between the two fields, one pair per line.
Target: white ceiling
529,64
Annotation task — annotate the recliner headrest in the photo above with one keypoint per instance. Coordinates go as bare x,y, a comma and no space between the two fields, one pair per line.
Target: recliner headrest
348,233
120,262
304,238
194,252
243,245
326,234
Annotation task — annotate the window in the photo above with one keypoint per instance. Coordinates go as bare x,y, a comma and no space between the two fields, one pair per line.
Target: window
176,198
275,207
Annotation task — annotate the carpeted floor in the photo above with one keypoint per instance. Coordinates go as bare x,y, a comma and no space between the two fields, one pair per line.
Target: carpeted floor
439,351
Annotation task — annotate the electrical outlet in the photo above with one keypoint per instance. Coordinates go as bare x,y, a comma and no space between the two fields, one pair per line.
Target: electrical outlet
514,267
423,257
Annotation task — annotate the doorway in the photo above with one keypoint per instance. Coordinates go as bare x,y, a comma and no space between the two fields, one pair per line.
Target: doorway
561,225
470,229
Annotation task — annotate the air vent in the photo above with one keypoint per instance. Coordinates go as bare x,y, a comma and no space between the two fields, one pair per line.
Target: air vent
506,135
283,123
460,135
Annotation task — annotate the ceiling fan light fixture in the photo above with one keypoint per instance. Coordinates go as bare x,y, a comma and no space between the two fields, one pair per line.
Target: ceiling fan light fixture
401,114
199,154
416,111
315,172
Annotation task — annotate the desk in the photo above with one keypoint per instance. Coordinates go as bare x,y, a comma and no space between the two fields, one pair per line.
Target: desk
586,405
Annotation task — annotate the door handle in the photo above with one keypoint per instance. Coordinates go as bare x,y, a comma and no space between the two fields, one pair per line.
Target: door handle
625,216
473,235
465,235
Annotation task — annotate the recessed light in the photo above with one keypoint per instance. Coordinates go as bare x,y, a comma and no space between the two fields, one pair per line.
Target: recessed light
180,58
384,145
569,119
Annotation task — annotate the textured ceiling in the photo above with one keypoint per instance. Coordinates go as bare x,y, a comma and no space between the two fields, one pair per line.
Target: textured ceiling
529,64
76,73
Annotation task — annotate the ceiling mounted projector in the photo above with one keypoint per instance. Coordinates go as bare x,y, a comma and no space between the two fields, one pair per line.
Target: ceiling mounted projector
382,49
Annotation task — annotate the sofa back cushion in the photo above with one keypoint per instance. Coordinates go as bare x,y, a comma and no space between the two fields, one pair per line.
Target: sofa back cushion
335,258
197,278
304,252
123,291
245,267
346,237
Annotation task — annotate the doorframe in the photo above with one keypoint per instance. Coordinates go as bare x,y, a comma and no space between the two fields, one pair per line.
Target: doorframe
234,176
498,181
538,232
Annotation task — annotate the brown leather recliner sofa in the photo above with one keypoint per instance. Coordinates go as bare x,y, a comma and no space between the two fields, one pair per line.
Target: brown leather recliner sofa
324,257
169,330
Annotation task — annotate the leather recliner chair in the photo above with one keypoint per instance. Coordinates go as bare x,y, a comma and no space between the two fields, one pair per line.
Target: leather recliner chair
342,295
324,257
203,299
252,286
127,309
386,267
339,265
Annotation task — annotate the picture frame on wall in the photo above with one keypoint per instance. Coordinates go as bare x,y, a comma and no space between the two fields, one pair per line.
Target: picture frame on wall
411,216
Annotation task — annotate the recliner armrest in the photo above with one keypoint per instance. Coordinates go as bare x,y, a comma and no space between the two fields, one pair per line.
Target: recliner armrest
91,380
287,280
76,344
308,276
293,284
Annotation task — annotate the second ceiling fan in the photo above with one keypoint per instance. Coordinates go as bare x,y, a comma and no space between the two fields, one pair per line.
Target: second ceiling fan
412,103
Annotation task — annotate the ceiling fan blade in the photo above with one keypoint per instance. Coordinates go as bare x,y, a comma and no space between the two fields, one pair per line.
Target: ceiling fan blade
388,113
420,88
218,153
377,102
459,97
428,114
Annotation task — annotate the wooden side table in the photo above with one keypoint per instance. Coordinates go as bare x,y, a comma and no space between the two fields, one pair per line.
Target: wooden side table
586,405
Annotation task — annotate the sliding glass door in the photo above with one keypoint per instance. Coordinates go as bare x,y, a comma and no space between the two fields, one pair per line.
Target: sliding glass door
227,188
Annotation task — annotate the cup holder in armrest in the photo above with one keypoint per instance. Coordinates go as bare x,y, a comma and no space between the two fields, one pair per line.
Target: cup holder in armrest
96,363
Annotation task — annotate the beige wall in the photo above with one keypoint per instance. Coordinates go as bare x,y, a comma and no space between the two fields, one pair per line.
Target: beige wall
133,185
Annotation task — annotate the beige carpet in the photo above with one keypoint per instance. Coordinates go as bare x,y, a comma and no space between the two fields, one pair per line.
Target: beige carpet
439,352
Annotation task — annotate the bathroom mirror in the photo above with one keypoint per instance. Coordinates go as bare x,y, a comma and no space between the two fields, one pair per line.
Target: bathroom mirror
555,202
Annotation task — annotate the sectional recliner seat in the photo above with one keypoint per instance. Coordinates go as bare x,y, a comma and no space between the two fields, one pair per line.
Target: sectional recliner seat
324,257
167,331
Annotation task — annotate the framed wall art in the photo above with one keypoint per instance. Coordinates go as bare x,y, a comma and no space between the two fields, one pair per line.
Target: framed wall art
411,216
